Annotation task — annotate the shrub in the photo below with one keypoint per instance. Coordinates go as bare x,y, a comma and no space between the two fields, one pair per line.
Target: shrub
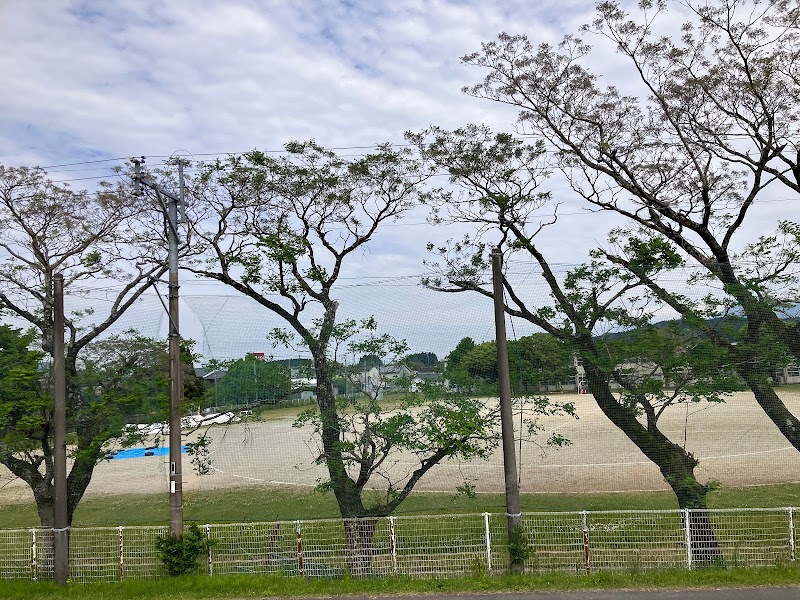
180,553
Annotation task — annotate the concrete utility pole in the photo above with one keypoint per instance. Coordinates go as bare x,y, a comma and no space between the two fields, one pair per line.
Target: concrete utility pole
60,513
513,512
170,211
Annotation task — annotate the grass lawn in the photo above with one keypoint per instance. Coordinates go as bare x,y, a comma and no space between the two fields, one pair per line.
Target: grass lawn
269,504
250,586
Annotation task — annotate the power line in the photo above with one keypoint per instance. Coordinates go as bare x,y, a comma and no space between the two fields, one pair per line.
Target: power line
240,153
552,149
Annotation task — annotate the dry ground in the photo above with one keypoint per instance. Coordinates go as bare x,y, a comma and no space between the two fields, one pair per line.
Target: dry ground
736,443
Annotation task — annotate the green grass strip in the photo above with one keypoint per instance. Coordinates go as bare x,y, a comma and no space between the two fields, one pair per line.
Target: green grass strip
254,586
252,504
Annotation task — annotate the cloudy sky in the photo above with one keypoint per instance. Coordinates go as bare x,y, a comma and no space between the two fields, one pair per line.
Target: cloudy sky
92,81
95,80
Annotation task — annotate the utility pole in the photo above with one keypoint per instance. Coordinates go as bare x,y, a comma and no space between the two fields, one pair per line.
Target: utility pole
513,512
60,513
170,210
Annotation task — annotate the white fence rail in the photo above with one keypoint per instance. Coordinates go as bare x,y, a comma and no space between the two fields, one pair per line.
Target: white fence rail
426,546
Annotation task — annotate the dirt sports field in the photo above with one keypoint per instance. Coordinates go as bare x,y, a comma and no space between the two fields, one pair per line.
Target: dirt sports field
735,442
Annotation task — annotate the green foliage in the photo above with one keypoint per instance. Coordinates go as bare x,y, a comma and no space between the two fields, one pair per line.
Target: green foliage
199,452
519,547
194,388
536,362
466,490
124,379
481,362
455,372
422,361
251,381
23,402
661,365
180,553
377,349
367,361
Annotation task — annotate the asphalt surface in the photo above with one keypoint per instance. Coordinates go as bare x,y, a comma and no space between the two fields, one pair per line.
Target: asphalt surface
761,593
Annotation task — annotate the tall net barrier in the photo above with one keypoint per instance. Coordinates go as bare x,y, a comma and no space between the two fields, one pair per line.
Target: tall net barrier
117,397
251,384
723,427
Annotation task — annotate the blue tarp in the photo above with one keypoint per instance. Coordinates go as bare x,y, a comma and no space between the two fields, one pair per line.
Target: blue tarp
139,452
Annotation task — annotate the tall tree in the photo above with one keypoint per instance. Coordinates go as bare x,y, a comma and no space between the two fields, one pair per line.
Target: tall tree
706,127
104,236
455,374
535,361
540,361
431,425
499,176
427,361
280,230
251,381
25,408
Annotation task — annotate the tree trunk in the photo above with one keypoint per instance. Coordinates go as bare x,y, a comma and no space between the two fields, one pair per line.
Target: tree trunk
359,534
358,531
773,406
675,463
79,478
43,495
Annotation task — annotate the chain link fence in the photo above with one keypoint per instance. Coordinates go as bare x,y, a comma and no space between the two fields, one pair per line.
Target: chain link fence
421,546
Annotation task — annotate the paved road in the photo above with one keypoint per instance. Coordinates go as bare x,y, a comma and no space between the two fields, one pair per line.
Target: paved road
773,593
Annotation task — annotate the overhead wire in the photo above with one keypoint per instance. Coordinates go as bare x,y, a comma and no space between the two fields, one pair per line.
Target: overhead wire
519,136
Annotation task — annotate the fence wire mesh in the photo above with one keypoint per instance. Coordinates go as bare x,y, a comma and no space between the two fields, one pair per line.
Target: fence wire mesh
422,546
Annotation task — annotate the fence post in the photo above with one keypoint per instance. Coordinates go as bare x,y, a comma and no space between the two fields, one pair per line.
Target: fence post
299,549
688,534
208,550
393,545
791,533
585,526
121,554
34,556
488,542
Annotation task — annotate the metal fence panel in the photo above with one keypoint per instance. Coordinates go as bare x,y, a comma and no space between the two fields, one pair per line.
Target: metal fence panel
140,558
556,542
752,537
424,546
15,554
42,553
636,540
441,546
94,554
253,548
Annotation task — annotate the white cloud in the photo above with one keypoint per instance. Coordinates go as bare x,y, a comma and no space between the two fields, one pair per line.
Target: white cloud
88,80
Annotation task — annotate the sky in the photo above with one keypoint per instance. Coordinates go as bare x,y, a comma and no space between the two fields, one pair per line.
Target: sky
92,81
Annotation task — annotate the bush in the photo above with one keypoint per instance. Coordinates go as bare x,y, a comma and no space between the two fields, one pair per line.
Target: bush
180,553
519,547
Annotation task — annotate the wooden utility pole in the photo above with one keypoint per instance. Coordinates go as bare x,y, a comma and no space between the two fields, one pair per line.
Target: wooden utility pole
513,513
170,210
60,512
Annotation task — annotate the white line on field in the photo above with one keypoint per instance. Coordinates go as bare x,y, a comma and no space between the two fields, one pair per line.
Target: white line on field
608,464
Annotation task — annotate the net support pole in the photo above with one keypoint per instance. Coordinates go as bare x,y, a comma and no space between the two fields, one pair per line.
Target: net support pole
506,415
488,535
393,544
687,532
